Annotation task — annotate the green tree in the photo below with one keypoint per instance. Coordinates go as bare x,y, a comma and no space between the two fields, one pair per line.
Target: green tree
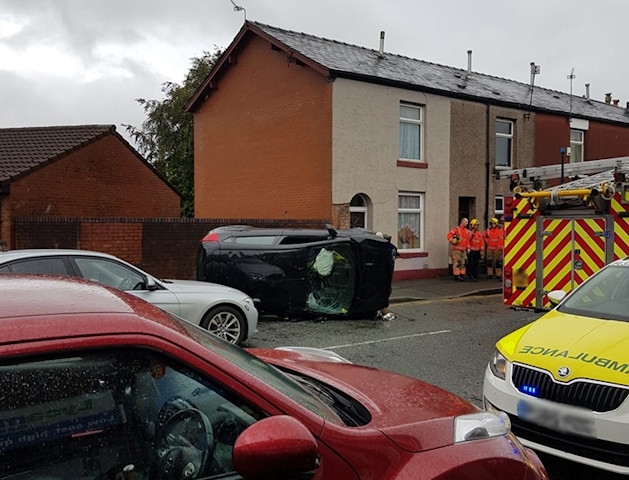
165,138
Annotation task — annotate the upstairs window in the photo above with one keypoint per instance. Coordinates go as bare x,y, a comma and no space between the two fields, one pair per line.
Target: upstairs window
411,132
576,146
504,143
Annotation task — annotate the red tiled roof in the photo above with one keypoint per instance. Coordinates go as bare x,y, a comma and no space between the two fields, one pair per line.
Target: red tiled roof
24,149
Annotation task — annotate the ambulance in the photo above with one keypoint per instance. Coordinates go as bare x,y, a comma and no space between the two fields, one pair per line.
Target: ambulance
555,238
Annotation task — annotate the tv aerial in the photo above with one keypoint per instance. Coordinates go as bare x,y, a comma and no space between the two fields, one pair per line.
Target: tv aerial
238,8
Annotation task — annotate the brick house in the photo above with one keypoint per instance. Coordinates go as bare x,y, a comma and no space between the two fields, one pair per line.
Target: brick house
289,125
85,171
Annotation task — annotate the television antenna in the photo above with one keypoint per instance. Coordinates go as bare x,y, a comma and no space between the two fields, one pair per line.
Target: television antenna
238,8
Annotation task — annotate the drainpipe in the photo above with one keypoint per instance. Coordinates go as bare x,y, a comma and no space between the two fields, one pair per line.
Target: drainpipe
487,166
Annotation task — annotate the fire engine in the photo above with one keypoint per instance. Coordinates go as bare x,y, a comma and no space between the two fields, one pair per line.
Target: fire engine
556,237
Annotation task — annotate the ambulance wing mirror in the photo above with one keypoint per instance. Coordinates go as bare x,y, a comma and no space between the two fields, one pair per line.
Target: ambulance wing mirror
556,296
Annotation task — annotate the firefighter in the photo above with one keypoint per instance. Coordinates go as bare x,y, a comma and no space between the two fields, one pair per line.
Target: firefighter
494,238
458,238
476,249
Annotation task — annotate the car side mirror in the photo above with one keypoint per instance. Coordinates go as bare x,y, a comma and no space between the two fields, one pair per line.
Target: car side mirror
276,447
556,296
150,283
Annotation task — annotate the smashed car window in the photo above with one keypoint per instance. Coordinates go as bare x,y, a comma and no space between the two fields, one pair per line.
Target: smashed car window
332,277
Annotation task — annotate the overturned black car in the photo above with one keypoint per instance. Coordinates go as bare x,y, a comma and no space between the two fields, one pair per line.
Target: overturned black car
301,272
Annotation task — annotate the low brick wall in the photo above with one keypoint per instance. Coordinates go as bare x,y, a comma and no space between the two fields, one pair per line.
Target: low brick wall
164,247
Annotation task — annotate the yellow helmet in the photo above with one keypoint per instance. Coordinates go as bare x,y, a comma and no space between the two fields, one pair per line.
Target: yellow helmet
493,220
474,222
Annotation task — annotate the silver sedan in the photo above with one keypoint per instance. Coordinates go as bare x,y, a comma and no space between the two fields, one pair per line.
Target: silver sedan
224,311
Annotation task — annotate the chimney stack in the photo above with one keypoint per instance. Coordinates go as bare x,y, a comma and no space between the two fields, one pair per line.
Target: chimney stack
469,62
608,98
616,102
381,53
587,91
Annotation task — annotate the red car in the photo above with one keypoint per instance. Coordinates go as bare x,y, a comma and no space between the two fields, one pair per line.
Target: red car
98,384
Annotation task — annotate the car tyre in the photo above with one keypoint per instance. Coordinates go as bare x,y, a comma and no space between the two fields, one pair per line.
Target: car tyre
227,323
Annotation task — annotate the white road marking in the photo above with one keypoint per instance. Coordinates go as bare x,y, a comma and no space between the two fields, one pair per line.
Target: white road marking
403,337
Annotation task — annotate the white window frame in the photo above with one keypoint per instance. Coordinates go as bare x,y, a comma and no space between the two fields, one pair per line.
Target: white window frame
419,211
412,121
364,209
509,137
577,146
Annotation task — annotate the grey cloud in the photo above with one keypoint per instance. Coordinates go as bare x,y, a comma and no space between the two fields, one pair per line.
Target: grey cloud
504,36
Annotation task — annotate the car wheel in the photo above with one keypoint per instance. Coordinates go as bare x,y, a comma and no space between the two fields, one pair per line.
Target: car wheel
226,322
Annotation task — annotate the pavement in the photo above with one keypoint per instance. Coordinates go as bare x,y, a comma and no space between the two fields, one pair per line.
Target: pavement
440,288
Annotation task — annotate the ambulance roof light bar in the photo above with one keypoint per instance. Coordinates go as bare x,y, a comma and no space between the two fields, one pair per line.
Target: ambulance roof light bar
569,169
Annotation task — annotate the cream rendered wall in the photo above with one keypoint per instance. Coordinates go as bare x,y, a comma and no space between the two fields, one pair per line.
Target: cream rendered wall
365,124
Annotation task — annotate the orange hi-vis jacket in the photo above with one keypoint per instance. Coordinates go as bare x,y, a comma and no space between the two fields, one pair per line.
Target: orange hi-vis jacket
477,241
494,238
463,236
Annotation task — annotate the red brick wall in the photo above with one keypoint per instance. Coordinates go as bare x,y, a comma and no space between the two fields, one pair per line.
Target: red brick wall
102,179
606,141
121,239
551,133
166,248
601,140
263,140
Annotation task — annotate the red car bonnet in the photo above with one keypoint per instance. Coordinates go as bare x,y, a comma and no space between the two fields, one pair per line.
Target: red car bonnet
397,403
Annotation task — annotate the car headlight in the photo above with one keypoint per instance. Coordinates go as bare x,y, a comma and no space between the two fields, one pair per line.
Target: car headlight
476,426
498,365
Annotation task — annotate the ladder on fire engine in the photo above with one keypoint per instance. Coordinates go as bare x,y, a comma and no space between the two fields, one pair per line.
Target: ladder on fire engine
590,180
569,169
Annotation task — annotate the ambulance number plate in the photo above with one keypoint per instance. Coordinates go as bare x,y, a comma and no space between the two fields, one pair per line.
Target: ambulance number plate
558,419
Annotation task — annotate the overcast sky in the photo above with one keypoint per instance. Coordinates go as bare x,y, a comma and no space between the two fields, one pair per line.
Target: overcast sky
70,62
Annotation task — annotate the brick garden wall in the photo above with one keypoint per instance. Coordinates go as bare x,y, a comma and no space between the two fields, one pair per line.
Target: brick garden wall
166,248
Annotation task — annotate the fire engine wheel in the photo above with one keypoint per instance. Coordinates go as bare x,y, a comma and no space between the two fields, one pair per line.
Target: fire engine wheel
226,322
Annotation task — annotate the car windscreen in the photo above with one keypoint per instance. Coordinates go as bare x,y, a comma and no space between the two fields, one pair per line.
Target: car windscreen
604,295
260,369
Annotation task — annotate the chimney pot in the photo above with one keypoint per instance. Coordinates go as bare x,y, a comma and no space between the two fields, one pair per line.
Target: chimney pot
469,62
608,98
587,91
381,52
616,101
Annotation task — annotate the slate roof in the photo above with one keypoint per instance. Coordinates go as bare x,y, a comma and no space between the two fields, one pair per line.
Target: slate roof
351,61
24,149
